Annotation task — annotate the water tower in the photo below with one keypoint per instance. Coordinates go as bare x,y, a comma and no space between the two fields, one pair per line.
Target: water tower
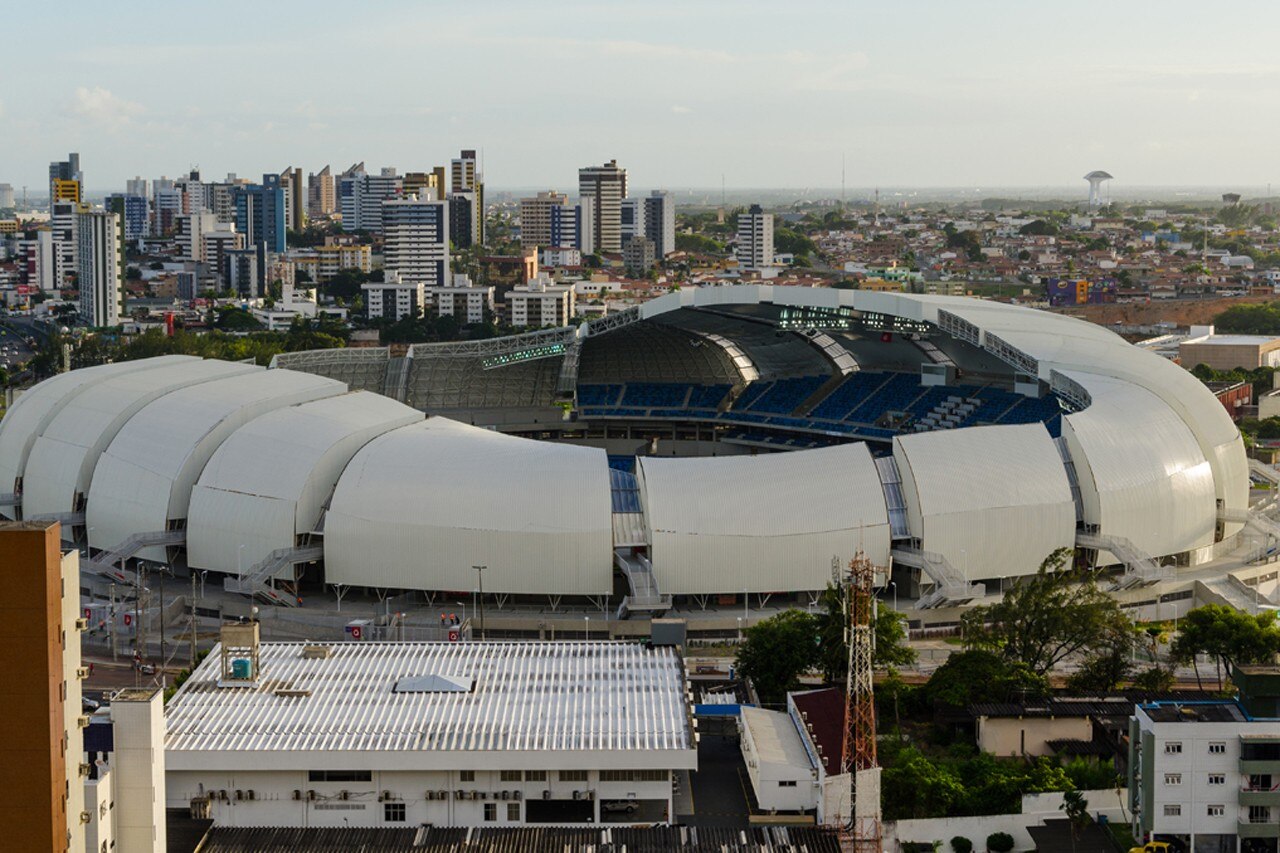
1095,179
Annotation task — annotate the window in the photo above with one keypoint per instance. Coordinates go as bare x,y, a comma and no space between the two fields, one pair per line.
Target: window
510,775
393,812
490,811
633,775
467,775
1173,747
1215,811
787,783
1217,747
1217,778
1173,778
535,775
573,775
1172,810
340,775
513,811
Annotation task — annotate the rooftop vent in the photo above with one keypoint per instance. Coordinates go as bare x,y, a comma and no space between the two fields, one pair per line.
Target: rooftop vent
434,684
315,651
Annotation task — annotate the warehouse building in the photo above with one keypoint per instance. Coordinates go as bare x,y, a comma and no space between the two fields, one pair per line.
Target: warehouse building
451,734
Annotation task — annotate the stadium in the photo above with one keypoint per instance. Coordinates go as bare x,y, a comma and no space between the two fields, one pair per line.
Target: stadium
711,442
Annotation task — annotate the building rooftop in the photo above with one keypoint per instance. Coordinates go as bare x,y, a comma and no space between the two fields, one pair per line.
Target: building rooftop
823,713
522,696
775,736
1233,340
1200,712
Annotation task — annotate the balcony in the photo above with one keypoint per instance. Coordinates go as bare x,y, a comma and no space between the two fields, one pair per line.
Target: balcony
1259,797
1260,766
1257,830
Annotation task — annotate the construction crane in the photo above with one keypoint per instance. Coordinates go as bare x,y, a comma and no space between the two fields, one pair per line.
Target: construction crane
861,833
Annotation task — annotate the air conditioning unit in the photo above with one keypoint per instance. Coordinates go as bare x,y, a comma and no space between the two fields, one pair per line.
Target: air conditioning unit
591,795
431,795
387,796
311,795
239,794
82,721
519,795
344,795
85,817
577,795
222,795
546,795
82,624
250,795
479,795
442,795
459,794
506,795
86,769
297,795
82,672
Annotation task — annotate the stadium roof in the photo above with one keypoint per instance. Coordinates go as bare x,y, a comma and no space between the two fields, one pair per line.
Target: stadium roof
527,697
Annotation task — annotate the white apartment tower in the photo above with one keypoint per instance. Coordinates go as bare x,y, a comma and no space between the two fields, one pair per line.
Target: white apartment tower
100,266
541,303
602,189
416,239
755,239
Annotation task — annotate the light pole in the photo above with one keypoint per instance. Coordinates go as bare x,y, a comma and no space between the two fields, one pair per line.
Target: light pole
739,629
894,586
586,630
480,600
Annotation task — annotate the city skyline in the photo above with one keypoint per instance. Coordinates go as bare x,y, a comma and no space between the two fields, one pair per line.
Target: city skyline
897,96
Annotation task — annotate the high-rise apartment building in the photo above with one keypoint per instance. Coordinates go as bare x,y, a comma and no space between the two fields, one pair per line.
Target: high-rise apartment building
468,182
462,215
43,805
100,266
260,213
6,196
416,239
360,196
167,203
133,212
295,209
660,221
602,189
631,219
191,230
62,221
137,186
541,303
754,250
549,220
62,174
464,175
392,298
321,199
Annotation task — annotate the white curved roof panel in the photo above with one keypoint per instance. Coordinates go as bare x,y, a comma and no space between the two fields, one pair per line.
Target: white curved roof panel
145,477
994,500
419,506
63,457
268,482
761,523
31,413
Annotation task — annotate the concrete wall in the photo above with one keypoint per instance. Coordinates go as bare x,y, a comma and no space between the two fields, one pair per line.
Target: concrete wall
1013,736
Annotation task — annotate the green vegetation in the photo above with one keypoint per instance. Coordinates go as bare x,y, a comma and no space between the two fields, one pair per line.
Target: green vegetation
960,844
999,842
978,675
1258,318
1227,635
699,245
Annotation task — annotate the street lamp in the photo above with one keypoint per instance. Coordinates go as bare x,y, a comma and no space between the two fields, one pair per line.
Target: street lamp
586,631
739,629
894,586
480,601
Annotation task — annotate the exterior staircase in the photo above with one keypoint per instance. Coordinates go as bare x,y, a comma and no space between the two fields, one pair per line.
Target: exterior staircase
256,583
111,563
949,588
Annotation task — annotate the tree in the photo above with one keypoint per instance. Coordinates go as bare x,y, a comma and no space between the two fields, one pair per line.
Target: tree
1231,637
1076,808
776,652
1157,679
915,787
1046,617
1038,228
978,674
999,842
960,844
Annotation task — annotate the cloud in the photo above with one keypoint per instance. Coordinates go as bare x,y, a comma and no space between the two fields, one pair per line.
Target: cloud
679,110
99,105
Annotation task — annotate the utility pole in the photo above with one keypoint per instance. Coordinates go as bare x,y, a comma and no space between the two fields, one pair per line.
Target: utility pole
193,621
480,602
111,624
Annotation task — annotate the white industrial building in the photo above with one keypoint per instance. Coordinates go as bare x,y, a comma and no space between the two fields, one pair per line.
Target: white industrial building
451,734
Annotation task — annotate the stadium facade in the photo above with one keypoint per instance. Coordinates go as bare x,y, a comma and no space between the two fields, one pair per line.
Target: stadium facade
712,441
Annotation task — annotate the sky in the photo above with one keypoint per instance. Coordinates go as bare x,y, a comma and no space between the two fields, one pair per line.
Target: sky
684,93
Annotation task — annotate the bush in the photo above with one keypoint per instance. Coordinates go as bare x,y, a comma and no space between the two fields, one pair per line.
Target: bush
999,842
960,844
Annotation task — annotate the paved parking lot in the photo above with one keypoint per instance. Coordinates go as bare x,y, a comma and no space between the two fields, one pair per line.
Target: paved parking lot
720,787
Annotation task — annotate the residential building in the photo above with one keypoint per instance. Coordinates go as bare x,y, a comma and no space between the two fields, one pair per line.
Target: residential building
191,230
124,792
469,183
424,185
360,197
323,263
393,298
246,271
602,189
754,249
195,193
535,218
218,243
638,255
40,654
463,172
541,303
295,207
499,749
260,214
6,196
292,304
660,221
632,219
167,204
100,267
559,256
416,239
506,271
321,198
66,181
462,217
62,221
461,298
137,186
133,212
1205,774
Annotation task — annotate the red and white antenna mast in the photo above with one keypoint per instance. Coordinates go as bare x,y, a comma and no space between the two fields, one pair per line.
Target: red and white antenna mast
861,833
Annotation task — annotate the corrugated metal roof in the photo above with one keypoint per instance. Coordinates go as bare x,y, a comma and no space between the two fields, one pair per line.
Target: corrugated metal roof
775,737
527,696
